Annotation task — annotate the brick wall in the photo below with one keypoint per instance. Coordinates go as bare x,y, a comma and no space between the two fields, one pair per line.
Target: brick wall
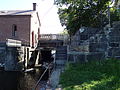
23,27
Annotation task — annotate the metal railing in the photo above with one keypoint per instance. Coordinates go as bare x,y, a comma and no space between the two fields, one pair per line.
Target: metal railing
53,37
42,76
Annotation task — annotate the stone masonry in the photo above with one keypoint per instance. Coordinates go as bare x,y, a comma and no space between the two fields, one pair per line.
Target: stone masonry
104,43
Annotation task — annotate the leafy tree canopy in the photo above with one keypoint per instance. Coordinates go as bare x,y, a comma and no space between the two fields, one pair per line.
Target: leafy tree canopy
76,13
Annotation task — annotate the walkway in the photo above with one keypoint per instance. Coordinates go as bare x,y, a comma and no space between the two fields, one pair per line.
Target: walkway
54,79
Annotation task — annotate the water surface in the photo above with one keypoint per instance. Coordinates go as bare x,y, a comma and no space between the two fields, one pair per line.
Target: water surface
18,80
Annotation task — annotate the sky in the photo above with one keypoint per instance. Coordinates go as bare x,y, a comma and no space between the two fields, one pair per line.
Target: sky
50,23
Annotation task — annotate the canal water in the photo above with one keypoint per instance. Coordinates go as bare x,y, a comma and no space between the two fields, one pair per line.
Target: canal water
18,80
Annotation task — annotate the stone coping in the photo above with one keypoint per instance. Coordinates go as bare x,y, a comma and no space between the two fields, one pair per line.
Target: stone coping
87,53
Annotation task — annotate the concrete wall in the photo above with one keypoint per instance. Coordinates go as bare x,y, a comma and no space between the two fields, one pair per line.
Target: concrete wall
14,58
17,58
35,26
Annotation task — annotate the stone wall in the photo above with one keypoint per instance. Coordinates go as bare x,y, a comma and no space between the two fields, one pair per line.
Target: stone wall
103,44
13,58
85,57
2,53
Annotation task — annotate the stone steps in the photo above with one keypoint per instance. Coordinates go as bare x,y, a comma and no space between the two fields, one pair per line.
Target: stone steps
61,56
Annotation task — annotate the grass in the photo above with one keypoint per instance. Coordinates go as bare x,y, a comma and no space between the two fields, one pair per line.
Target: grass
96,75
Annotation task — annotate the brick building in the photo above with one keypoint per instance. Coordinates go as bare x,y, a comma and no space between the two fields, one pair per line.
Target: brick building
23,25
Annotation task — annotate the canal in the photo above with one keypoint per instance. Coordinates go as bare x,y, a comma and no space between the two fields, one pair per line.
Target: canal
19,80
13,80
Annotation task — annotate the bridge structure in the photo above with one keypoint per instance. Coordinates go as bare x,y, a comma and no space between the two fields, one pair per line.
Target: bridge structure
52,40
47,44
58,43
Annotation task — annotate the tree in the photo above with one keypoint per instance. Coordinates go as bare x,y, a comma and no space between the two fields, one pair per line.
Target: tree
64,32
76,13
116,2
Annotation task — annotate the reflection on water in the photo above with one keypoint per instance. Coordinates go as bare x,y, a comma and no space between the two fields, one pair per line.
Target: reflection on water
18,80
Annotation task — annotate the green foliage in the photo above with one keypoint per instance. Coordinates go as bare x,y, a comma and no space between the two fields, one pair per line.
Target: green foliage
115,15
76,13
96,75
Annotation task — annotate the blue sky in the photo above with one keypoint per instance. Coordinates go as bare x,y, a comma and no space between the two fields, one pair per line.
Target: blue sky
16,4
48,12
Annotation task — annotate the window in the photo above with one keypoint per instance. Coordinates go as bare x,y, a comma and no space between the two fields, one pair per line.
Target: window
14,29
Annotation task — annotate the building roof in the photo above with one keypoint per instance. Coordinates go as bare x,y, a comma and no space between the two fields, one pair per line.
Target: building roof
16,12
